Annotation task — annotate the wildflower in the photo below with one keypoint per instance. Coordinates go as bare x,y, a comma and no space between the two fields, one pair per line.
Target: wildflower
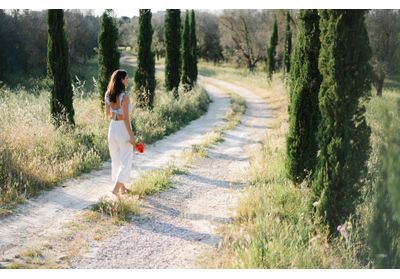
344,230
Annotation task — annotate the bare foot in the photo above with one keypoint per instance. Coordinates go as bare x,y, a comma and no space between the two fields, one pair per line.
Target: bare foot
117,190
123,190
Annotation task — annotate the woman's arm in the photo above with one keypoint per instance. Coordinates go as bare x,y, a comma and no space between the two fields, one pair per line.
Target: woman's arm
125,110
107,110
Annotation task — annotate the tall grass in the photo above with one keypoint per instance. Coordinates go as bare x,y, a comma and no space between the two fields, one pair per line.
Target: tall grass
273,227
169,114
34,155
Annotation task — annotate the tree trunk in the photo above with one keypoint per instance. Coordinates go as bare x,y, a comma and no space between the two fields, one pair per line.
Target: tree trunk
379,86
250,66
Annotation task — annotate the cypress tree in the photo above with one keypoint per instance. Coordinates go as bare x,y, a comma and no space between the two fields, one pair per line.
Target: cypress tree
108,52
173,58
58,76
145,82
343,133
193,44
384,230
271,50
288,44
187,81
304,115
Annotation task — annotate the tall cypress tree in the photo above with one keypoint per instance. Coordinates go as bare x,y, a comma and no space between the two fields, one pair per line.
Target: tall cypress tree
271,50
173,59
187,81
384,230
61,98
145,82
343,132
304,115
108,52
288,44
193,44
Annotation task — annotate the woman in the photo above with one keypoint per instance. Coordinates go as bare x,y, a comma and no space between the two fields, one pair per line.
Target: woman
120,135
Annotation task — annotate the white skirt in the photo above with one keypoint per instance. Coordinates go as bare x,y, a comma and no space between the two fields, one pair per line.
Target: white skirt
121,152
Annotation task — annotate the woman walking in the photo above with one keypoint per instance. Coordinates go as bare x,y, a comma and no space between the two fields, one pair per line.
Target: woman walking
120,135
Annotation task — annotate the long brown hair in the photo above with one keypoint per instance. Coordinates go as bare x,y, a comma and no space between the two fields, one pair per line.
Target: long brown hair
115,85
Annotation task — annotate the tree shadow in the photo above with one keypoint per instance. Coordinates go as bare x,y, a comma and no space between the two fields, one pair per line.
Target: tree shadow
158,227
226,184
155,205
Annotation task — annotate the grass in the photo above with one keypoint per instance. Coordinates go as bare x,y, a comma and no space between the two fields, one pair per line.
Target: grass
154,181
122,209
169,114
36,156
273,227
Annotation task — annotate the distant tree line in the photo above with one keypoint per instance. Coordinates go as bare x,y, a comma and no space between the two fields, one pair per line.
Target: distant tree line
23,37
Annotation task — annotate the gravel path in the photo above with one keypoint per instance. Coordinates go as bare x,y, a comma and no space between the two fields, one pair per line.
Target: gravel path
46,214
178,226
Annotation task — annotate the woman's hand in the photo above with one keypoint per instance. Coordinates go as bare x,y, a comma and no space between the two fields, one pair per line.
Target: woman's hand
132,140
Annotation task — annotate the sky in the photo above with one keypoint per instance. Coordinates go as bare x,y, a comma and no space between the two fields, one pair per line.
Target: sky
124,7
121,12
134,12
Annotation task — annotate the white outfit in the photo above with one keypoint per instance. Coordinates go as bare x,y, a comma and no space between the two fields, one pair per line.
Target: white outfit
121,150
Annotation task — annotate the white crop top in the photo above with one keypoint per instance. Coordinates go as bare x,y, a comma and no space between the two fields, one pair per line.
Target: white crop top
119,110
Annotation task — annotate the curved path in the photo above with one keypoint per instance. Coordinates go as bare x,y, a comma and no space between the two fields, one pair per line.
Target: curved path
179,225
46,214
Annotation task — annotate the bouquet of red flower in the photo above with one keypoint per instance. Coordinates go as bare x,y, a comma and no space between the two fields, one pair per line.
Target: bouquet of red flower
139,147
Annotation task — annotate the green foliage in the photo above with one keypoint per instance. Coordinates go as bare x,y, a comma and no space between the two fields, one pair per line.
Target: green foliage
384,229
209,47
24,36
187,81
288,44
58,70
343,133
304,115
173,59
145,81
189,55
108,52
193,46
271,50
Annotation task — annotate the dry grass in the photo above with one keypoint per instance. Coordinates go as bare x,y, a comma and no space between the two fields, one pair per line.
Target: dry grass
34,155
122,209
154,181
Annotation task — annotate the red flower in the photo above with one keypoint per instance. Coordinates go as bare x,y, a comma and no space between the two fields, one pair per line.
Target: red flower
139,147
